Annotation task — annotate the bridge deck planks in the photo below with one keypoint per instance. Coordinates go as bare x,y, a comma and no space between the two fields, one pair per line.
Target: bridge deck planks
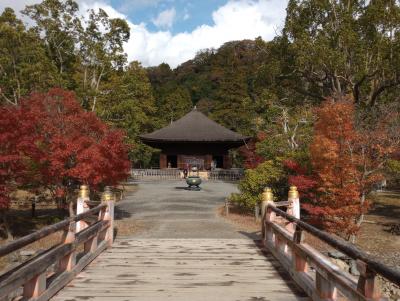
182,269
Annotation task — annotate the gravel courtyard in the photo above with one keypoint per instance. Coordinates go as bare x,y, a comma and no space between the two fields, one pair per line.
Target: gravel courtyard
165,209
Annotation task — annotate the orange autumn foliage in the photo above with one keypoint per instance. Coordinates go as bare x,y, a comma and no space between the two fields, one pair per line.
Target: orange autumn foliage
337,205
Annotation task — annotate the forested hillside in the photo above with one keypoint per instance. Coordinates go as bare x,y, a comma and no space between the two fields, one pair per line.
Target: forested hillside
324,50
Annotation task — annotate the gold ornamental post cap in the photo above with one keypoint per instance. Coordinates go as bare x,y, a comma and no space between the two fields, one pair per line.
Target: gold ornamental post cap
107,194
268,195
293,193
84,191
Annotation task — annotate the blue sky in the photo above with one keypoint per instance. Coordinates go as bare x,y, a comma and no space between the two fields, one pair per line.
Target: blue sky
188,14
173,31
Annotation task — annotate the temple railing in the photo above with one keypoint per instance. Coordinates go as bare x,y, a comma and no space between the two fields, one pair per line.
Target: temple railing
321,279
226,174
156,174
176,174
84,237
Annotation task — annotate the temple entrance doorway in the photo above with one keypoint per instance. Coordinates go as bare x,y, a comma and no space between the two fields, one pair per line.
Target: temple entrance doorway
218,161
172,161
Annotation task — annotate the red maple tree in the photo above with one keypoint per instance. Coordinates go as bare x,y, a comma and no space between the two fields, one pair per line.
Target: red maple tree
337,206
49,141
249,152
303,179
349,160
17,139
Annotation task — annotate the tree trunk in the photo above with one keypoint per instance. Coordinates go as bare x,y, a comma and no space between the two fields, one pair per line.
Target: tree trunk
360,219
71,208
5,225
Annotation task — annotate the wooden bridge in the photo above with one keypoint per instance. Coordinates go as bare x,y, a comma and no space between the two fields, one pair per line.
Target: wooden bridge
89,265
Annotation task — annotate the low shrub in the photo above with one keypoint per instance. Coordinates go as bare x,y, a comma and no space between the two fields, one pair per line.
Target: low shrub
267,174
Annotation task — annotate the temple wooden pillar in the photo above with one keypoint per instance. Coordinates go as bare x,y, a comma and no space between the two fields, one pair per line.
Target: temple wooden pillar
227,162
207,161
163,161
178,161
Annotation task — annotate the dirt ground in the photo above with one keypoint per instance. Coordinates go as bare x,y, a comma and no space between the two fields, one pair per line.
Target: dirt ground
375,236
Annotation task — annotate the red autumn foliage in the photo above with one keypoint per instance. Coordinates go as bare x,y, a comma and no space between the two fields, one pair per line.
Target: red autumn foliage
17,138
248,151
374,146
305,182
337,205
50,141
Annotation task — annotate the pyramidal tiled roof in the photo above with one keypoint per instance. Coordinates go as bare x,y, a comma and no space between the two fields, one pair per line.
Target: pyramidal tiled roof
194,127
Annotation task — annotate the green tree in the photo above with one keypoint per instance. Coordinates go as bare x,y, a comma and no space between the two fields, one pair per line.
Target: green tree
128,103
174,102
270,173
172,99
288,132
100,52
344,47
233,107
393,170
85,50
24,66
58,22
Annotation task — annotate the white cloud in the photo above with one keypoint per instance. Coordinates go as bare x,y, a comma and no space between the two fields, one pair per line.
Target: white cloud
236,20
165,19
16,5
84,6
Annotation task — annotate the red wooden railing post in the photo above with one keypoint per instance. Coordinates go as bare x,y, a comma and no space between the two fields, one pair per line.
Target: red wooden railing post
325,288
68,262
299,262
82,206
267,196
35,287
269,218
91,245
109,199
293,207
368,283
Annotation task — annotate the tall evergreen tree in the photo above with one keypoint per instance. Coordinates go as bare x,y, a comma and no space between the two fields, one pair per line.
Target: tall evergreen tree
128,103
345,47
24,65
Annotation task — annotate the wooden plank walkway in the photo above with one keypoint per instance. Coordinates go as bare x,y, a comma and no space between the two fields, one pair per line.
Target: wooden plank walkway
182,270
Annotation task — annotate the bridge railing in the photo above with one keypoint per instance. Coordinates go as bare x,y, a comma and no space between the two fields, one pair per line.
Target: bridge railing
43,275
319,277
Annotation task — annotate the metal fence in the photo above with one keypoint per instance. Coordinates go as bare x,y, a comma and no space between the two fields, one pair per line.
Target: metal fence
226,174
156,174
175,174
